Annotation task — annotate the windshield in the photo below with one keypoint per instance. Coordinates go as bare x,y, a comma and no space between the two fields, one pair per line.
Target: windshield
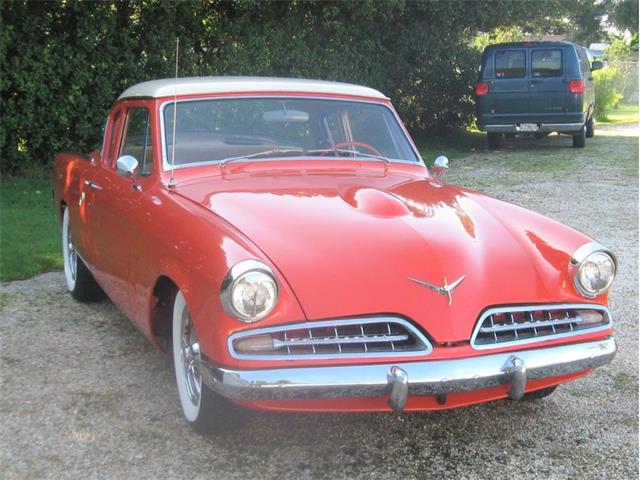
260,128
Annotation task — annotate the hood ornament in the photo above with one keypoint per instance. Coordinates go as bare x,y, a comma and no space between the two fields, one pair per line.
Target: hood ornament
446,289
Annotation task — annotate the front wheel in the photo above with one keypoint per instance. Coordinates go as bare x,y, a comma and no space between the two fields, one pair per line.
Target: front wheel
80,282
205,411
538,394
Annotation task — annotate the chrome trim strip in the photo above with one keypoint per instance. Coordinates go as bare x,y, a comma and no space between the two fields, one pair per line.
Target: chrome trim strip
434,377
529,325
165,162
542,338
544,127
307,342
331,323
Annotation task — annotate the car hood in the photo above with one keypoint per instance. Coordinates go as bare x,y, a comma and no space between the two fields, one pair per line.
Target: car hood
349,243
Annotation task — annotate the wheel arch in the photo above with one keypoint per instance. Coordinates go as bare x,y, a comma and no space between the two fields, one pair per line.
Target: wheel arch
163,293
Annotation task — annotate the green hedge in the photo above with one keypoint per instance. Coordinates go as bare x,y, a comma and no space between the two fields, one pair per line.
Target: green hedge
64,63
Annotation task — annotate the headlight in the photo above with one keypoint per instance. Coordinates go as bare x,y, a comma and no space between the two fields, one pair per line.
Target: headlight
594,269
249,291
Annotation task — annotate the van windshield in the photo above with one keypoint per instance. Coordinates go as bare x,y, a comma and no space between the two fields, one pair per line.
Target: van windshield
214,130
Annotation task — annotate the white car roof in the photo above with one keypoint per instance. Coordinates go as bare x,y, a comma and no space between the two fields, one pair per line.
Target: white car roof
211,85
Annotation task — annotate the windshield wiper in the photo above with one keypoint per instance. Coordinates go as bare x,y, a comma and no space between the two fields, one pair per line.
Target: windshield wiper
272,151
352,152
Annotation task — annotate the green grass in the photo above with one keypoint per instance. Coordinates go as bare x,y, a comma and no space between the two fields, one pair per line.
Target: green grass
623,113
453,144
29,229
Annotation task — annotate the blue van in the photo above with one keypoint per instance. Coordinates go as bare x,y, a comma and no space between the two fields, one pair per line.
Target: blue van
536,88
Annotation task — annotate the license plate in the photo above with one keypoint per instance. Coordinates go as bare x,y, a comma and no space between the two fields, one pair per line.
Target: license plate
528,127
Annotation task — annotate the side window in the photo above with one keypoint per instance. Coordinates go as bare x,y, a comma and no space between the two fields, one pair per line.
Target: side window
585,64
136,139
510,63
546,63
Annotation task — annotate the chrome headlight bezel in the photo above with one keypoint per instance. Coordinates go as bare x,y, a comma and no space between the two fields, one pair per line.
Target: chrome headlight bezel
579,260
232,279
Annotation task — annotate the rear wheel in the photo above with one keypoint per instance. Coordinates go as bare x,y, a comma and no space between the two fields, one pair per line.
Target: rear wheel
538,394
579,139
494,140
80,282
205,411
590,128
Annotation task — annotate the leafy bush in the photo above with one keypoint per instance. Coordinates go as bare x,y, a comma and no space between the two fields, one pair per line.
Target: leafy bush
64,63
607,95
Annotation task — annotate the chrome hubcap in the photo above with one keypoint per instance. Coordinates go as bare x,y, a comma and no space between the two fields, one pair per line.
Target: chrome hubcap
71,254
190,352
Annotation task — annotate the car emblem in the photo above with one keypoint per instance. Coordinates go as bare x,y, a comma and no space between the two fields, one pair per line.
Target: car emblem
446,289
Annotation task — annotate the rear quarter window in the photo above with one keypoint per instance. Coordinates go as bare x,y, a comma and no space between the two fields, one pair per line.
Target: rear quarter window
510,63
546,63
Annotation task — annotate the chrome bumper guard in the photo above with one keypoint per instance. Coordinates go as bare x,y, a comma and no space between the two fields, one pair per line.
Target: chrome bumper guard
542,128
401,380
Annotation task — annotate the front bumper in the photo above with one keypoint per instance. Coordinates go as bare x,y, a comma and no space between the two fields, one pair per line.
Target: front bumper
401,380
542,128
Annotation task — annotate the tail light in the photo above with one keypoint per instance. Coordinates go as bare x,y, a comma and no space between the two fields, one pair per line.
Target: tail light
482,89
576,86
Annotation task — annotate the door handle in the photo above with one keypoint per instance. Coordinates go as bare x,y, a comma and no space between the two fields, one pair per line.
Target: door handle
92,185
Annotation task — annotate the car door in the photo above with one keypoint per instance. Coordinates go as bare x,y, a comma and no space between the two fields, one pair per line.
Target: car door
547,85
115,205
509,88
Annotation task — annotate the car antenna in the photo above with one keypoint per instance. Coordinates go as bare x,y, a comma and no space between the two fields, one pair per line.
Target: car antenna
172,180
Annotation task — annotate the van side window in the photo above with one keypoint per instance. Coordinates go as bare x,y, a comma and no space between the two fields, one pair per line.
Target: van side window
510,63
546,63
136,139
585,65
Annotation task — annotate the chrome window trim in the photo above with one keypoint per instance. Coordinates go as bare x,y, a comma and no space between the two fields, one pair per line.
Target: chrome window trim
331,356
579,256
543,338
166,166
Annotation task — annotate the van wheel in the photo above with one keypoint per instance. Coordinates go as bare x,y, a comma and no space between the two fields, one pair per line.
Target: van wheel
206,411
590,128
579,139
80,282
494,140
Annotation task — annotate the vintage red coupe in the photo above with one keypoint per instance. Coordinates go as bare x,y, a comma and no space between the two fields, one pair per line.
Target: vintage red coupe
285,241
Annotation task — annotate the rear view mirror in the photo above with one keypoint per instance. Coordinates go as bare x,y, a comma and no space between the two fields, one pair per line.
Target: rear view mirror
126,166
285,116
440,166
596,65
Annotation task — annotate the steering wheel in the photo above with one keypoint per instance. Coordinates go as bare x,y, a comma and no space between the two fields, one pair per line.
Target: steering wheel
352,143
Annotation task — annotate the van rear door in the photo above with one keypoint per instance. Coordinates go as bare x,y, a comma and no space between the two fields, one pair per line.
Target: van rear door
509,89
548,87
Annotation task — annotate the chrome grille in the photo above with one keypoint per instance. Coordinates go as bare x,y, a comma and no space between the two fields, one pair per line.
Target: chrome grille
358,337
499,327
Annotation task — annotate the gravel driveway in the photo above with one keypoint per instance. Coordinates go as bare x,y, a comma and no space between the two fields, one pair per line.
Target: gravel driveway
84,395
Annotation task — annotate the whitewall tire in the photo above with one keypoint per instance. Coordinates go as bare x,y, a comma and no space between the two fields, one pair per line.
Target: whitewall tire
205,411
80,282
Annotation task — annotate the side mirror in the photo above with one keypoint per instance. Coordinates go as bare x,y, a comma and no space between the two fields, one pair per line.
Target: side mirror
440,166
126,166
596,65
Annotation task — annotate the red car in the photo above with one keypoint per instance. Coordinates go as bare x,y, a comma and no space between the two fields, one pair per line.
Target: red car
285,241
